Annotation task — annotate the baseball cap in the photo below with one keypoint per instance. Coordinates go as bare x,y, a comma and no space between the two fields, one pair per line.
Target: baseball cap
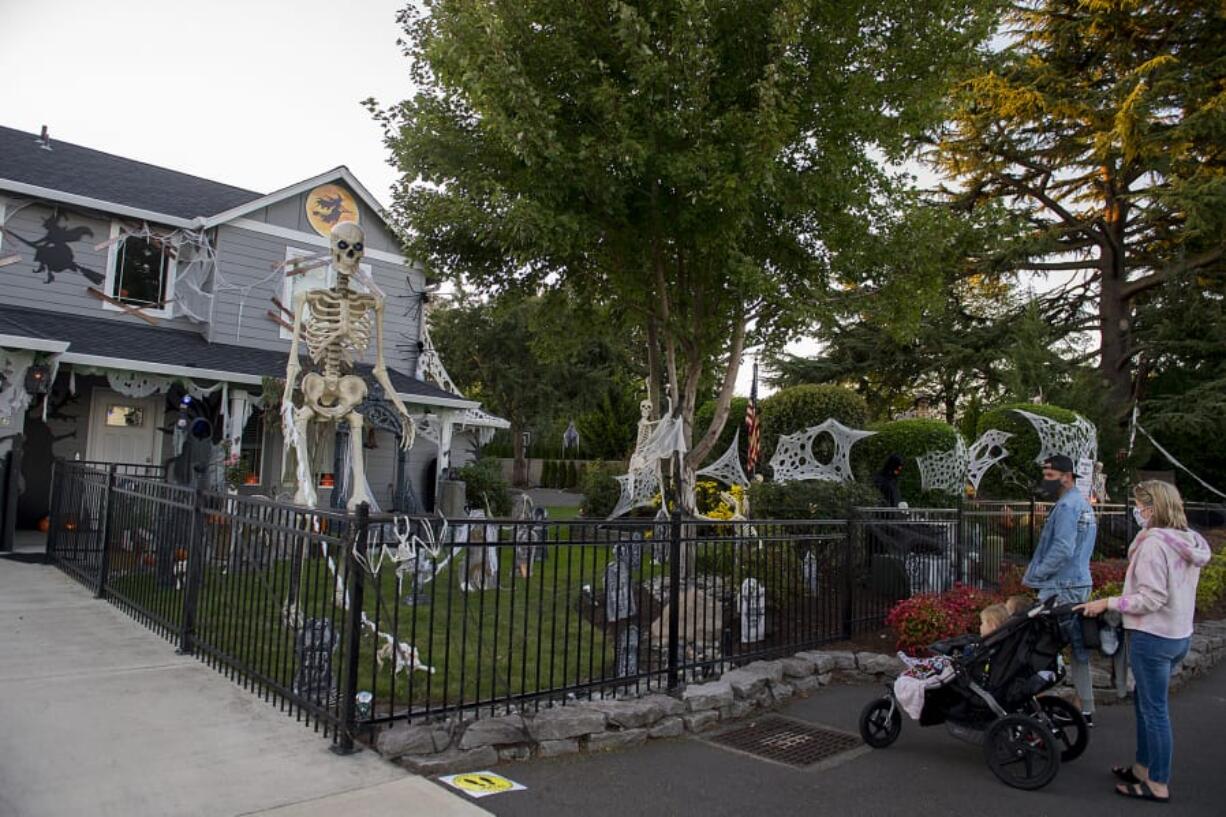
1059,462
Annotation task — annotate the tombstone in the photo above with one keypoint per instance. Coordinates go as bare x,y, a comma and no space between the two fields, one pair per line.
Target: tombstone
541,533
480,564
808,573
313,648
927,572
619,598
525,558
753,611
630,551
661,534
626,651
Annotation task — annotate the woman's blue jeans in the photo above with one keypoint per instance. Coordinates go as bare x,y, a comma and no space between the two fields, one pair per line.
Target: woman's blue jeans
1153,659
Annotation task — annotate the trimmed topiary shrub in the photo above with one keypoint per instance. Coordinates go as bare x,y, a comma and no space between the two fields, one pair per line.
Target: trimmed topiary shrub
485,486
790,410
911,439
809,499
572,475
1019,472
600,489
736,420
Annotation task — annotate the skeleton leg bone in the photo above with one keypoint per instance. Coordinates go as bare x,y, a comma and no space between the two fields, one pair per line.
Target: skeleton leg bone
305,494
361,487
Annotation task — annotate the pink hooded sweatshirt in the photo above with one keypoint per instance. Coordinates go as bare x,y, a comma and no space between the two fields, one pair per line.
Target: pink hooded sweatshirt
1159,595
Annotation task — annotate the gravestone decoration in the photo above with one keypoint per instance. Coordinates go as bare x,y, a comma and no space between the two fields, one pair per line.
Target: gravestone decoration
631,551
480,563
660,536
753,611
927,572
525,535
626,651
619,587
808,573
541,532
313,648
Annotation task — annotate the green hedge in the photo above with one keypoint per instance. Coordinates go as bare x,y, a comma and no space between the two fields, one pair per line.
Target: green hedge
736,419
600,489
910,439
790,410
809,499
484,482
1023,447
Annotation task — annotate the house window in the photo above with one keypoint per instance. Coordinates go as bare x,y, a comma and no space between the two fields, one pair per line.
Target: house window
318,278
124,417
140,273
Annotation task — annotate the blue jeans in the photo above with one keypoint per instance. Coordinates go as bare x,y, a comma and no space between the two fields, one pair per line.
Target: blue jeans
1153,659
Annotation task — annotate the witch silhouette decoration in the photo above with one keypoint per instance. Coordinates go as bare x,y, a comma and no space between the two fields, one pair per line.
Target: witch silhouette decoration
53,252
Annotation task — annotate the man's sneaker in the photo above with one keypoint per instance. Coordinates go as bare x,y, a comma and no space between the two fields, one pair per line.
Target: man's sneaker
1089,719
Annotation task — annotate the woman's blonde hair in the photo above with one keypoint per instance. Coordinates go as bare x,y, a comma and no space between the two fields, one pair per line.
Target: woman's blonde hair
1165,501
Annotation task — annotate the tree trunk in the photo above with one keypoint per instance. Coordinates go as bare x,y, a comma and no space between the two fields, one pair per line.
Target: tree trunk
519,471
1115,315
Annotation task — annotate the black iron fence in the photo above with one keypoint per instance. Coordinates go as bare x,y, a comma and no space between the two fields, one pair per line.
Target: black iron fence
351,621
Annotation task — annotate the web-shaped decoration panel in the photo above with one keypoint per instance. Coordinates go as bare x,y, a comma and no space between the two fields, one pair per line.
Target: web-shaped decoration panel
727,469
638,488
944,470
985,452
794,459
1077,440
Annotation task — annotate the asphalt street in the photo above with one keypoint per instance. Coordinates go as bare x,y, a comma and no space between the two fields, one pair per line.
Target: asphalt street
927,772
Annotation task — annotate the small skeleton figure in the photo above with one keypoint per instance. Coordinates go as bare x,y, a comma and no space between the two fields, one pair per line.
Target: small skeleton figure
337,332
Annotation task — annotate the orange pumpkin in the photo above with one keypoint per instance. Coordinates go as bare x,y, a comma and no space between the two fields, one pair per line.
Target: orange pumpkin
181,554
44,524
148,560
251,479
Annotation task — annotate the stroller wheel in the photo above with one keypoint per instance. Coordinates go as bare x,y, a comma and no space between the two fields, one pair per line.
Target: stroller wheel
1022,752
880,723
1068,725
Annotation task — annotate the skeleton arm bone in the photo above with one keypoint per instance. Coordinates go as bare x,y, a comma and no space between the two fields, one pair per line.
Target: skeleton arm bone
380,373
292,369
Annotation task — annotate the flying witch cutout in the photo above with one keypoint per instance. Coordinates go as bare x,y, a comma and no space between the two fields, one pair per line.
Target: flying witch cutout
53,253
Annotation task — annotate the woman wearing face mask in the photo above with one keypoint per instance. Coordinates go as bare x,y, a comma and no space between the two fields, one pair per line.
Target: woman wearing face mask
1157,605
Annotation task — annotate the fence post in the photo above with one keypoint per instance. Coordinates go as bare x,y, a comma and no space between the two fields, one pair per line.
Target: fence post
104,566
849,582
674,598
53,512
195,574
353,635
961,548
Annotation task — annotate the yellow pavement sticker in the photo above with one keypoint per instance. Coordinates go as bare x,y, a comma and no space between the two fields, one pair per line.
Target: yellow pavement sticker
481,784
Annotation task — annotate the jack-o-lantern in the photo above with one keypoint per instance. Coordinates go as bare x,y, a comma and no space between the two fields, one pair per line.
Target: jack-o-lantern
70,524
181,554
44,524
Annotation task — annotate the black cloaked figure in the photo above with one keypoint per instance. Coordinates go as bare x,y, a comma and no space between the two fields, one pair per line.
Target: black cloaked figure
886,481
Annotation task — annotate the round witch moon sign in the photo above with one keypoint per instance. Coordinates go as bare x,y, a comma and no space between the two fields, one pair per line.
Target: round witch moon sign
329,205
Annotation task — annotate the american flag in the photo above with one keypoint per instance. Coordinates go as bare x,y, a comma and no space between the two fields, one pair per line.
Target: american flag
752,426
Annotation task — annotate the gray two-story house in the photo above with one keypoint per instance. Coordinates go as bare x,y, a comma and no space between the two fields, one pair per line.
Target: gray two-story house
125,286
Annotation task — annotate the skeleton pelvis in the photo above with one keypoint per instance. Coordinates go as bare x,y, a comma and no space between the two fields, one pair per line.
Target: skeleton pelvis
333,397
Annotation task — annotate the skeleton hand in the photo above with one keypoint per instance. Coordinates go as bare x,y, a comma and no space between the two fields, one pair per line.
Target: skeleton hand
407,429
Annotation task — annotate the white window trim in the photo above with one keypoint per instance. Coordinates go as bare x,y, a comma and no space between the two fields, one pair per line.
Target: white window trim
287,297
112,259
3,212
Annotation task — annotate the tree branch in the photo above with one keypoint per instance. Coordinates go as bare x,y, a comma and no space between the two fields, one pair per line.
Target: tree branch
1135,288
723,401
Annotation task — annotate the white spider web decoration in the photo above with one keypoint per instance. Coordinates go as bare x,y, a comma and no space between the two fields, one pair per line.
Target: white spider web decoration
985,452
944,470
638,488
727,469
1077,440
794,459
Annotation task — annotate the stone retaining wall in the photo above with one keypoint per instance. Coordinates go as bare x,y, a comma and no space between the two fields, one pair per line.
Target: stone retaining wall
596,726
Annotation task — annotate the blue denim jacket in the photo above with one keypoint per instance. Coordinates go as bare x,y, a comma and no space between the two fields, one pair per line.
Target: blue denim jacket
1062,558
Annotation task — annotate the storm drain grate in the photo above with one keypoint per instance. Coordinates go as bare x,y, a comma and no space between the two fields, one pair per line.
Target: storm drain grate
784,740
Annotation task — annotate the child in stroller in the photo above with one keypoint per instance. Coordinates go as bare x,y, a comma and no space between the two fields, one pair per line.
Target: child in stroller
991,694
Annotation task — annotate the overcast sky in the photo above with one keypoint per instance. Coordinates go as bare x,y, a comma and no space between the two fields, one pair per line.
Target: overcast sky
258,94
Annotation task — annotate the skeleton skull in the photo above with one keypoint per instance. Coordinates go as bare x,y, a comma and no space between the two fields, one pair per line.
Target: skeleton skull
348,247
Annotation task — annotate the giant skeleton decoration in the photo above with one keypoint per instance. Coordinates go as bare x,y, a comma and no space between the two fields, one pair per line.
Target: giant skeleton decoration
337,331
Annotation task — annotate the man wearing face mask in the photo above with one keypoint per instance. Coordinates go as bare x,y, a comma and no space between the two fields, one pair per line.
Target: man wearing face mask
1060,567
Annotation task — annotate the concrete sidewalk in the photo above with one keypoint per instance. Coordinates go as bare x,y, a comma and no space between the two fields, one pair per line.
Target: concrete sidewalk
99,717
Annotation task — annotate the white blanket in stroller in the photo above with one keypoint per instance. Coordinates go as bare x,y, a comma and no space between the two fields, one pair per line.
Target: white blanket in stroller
921,674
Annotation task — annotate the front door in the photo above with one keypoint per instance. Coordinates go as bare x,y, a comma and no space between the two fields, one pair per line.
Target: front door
125,429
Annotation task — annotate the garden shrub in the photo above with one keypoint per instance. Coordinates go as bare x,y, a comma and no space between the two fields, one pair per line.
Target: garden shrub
1212,587
1014,477
736,420
600,489
911,439
923,619
809,499
790,410
485,485
572,475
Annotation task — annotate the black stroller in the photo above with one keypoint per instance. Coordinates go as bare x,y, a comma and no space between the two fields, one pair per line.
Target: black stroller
994,698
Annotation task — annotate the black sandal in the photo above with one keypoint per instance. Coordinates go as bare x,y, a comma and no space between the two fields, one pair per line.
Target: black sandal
1125,774
1141,791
